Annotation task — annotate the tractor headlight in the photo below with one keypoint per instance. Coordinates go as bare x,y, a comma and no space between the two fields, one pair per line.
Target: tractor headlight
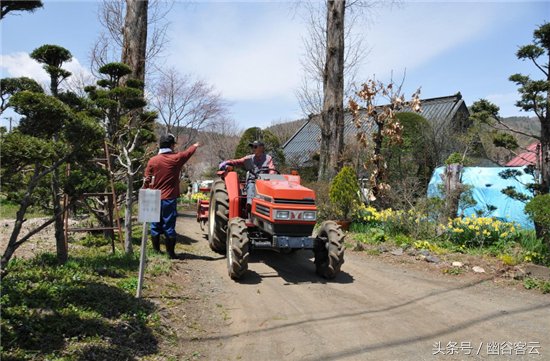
310,216
284,215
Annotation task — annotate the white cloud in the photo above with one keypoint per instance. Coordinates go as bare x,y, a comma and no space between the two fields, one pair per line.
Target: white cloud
21,64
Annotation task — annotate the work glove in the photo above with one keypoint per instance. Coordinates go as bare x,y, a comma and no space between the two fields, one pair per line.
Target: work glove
223,165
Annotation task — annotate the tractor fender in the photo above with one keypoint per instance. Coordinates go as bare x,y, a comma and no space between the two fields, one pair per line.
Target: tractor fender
232,185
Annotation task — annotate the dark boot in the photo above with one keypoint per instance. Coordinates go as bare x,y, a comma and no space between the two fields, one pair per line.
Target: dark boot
156,243
171,246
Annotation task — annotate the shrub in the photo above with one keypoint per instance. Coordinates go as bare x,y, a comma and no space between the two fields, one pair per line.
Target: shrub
538,210
344,192
325,209
480,231
456,158
91,240
372,236
533,249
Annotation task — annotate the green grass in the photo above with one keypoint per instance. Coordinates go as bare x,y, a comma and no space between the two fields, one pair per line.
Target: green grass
84,309
9,209
533,283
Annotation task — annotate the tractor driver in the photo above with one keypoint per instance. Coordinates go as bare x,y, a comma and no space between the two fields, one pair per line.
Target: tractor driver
256,163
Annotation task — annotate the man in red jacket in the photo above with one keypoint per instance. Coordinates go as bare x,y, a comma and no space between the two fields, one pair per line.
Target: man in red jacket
163,173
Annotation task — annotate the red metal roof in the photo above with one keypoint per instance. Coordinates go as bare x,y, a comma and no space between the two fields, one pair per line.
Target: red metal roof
527,158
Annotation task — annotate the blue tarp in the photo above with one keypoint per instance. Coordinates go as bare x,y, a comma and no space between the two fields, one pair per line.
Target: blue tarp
486,190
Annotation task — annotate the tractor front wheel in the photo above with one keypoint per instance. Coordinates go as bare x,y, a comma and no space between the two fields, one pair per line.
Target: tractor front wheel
329,250
218,214
237,248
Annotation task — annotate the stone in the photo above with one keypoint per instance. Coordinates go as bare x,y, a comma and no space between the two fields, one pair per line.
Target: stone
519,274
383,249
424,252
537,271
432,259
457,264
478,269
397,252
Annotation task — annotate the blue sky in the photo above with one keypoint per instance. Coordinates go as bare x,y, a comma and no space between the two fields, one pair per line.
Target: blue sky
251,51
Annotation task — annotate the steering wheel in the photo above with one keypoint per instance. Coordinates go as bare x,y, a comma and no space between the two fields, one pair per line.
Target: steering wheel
266,170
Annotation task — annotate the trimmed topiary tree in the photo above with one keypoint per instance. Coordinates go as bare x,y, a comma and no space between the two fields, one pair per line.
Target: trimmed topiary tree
538,209
344,192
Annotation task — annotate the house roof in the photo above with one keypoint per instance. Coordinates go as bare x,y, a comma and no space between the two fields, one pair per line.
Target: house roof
526,158
306,141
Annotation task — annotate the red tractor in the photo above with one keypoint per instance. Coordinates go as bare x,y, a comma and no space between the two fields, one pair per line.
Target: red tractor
282,218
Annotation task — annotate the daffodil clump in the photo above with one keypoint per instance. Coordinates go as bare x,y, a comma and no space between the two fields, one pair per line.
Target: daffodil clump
199,196
476,231
429,246
366,215
394,222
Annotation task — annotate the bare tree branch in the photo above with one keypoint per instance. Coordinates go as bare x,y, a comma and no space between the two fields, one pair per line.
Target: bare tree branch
186,106
111,14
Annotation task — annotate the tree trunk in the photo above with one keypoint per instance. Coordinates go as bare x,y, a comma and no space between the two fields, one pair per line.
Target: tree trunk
453,189
333,82
135,37
60,241
12,246
378,161
134,49
128,214
324,152
545,159
545,138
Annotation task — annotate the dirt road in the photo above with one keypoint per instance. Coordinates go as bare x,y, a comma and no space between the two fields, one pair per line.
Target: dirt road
372,311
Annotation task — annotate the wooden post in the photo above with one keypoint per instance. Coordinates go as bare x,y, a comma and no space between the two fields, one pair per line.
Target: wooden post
149,211
142,260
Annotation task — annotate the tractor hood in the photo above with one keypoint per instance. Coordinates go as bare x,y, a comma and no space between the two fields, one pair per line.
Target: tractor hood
284,189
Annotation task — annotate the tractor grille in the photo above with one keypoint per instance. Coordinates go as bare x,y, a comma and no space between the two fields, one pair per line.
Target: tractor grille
294,201
293,230
262,210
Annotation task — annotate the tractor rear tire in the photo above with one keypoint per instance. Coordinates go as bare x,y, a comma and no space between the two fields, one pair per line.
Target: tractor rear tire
329,250
218,215
237,248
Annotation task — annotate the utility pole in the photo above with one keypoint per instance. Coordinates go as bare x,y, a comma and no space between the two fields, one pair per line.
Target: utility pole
10,119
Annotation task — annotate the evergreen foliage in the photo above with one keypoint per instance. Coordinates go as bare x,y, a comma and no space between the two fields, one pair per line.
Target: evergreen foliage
10,6
414,156
344,192
538,208
272,145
